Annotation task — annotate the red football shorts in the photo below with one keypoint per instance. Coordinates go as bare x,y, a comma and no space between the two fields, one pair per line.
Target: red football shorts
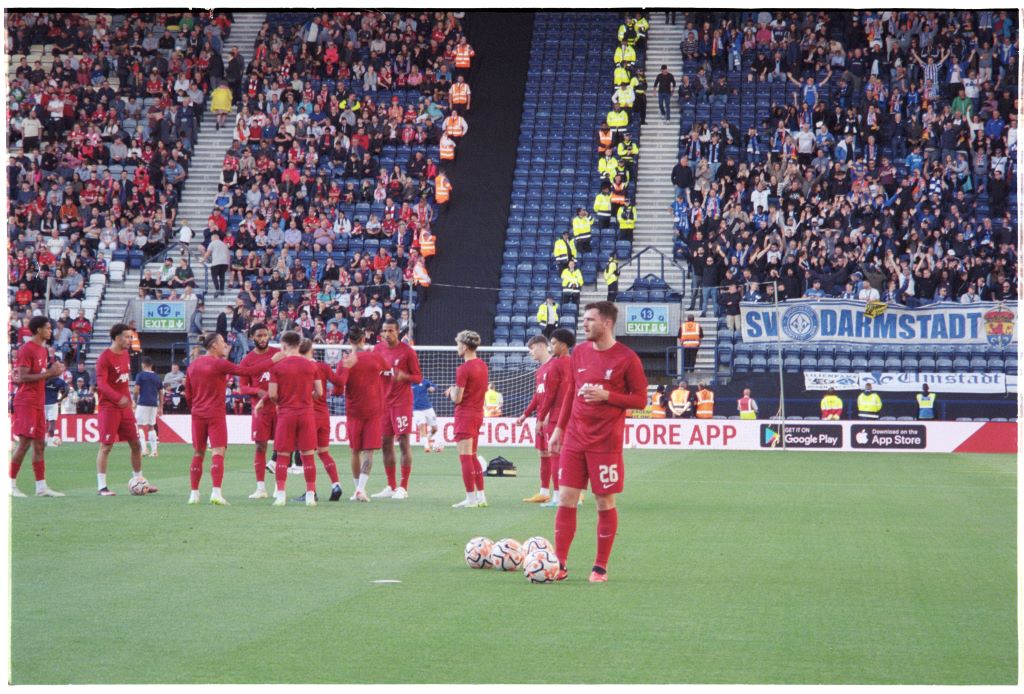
294,433
29,421
263,426
468,426
364,434
323,430
605,471
541,435
215,429
397,420
117,424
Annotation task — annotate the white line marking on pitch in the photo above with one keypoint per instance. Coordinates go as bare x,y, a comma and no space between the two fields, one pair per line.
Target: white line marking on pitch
386,580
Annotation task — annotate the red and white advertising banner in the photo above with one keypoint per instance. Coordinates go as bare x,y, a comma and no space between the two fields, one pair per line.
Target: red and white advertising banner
669,434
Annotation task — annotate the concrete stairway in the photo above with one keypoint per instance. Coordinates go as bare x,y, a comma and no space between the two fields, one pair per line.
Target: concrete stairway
195,206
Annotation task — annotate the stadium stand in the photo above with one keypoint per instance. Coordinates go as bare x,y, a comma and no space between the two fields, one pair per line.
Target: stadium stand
569,85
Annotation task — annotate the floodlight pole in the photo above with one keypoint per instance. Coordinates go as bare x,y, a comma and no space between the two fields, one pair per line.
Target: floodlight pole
782,383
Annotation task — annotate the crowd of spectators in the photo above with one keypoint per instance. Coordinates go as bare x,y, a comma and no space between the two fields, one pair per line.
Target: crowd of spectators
101,125
884,172
326,197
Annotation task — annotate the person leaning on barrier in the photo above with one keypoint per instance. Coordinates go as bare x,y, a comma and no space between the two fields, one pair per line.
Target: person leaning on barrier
831,405
925,403
869,404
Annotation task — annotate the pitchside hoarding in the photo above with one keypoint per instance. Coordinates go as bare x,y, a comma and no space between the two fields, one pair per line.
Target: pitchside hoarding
804,321
684,436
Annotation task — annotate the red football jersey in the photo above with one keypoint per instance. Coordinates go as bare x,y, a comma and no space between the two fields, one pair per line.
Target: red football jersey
364,385
401,357
471,376
559,383
598,426
252,385
33,357
294,377
325,374
539,390
113,372
206,383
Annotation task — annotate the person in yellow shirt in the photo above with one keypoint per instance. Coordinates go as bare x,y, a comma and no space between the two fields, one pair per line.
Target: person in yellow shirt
492,402
611,277
572,283
627,221
220,103
747,406
547,316
563,251
581,225
831,406
869,405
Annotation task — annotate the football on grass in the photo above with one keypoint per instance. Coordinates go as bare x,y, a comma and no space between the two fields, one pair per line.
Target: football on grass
541,567
138,486
506,555
478,553
535,544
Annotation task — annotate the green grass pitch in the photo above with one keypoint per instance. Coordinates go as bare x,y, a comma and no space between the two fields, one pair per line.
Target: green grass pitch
728,568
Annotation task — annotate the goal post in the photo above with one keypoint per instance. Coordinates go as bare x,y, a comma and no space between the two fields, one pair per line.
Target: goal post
510,369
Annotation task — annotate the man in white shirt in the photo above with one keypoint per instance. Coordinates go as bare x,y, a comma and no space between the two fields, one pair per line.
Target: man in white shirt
185,238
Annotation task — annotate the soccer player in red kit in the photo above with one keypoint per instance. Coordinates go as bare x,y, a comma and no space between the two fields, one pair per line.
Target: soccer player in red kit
403,369
205,384
115,415
264,412
29,421
608,380
362,371
325,375
468,396
293,385
559,380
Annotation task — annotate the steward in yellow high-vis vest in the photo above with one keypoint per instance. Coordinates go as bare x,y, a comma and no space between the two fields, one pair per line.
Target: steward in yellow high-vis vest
869,405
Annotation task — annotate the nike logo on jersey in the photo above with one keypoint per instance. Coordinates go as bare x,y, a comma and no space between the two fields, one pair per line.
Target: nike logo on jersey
579,371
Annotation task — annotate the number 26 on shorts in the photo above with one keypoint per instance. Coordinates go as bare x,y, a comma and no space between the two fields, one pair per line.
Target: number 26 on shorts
607,475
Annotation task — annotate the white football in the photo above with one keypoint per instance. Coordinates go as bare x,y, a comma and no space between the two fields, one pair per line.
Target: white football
138,486
478,553
506,555
537,543
541,567
56,441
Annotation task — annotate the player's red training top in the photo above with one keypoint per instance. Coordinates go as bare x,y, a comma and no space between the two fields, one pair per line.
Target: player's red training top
294,377
206,383
364,386
559,384
401,357
253,385
325,374
33,357
598,426
539,390
471,376
113,372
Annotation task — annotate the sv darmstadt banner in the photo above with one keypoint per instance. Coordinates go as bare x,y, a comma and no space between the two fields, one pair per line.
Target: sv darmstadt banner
900,382
805,321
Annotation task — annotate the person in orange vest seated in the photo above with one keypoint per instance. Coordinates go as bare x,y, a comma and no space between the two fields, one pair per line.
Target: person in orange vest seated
690,335
681,401
464,54
705,402
447,148
427,243
656,406
747,406
455,126
460,96
442,188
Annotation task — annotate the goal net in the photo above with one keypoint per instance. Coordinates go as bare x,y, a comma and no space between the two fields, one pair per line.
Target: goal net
510,370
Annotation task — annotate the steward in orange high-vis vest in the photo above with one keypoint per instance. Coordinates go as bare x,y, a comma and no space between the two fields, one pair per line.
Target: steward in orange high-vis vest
447,148
442,188
705,403
463,55
426,240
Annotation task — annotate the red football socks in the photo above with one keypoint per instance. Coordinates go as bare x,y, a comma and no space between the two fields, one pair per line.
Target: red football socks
468,463
15,468
554,472
389,470
259,465
607,526
406,471
195,471
329,466
217,470
281,470
565,530
309,471
545,471
478,475
39,468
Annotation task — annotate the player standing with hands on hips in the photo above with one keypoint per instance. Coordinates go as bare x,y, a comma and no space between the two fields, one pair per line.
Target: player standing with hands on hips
608,379
29,421
468,396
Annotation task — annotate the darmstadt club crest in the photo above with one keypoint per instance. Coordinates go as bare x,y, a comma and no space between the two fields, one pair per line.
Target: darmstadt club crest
999,326
800,323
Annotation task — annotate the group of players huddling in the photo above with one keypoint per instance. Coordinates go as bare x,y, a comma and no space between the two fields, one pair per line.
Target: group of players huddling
580,402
